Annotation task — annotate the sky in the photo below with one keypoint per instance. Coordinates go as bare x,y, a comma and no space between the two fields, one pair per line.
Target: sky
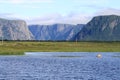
46,12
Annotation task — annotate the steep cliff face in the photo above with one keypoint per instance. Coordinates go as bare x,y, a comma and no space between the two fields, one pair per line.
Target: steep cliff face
101,28
54,32
14,30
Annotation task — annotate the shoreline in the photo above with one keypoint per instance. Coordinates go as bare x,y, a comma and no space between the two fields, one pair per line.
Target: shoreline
20,47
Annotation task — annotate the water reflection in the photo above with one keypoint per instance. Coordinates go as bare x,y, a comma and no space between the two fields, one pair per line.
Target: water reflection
74,54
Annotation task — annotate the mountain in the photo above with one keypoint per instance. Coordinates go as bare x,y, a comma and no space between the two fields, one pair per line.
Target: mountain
101,28
14,30
55,31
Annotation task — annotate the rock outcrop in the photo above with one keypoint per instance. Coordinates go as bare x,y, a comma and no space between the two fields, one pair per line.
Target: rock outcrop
14,30
55,31
101,28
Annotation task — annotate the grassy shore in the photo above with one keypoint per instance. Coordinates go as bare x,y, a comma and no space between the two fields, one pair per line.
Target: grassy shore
18,48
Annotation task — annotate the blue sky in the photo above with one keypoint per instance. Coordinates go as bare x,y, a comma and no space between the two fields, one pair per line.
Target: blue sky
57,11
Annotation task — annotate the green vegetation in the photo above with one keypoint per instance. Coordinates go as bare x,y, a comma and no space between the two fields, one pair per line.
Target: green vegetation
18,48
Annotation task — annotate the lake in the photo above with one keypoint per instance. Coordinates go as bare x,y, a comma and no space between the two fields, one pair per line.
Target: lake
61,66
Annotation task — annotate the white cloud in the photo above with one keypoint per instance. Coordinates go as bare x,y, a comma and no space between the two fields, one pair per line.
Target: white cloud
57,18
12,16
50,19
71,18
92,2
108,11
25,1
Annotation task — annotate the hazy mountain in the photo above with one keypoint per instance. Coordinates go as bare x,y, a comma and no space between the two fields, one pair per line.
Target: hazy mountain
101,28
14,30
55,32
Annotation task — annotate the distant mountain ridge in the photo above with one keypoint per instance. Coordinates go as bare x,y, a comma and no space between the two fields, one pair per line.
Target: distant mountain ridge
101,28
14,30
55,31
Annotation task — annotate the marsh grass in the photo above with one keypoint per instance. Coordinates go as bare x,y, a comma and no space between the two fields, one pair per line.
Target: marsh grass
18,48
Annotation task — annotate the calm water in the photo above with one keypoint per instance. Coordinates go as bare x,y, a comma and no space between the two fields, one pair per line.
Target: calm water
60,66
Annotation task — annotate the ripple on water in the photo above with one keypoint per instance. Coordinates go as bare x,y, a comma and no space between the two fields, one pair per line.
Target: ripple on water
42,67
